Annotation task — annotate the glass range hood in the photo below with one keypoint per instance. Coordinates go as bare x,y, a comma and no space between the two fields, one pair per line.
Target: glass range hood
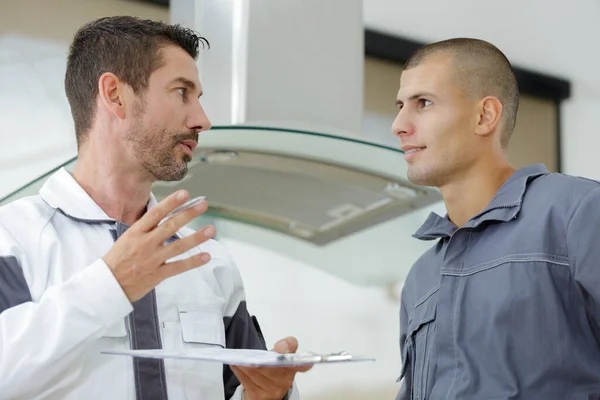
339,203
312,186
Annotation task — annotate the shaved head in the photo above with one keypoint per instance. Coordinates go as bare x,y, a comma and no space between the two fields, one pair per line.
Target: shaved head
480,70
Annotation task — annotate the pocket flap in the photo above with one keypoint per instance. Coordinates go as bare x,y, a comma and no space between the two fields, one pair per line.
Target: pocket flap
423,314
117,329
202,325
405,357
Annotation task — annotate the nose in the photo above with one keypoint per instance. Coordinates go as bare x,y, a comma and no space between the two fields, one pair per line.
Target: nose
199,120
403,124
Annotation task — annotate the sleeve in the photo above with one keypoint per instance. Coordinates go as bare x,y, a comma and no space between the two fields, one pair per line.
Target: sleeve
41,341
406,386
583,233
242,331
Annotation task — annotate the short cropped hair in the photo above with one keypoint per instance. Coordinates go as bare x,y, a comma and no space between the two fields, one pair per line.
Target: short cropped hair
481,70
127,46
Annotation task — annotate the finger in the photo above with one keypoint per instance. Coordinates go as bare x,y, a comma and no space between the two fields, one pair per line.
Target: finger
245,380
286,345
168,228
182,245
271,380
275,380
303,368
178,267
154,215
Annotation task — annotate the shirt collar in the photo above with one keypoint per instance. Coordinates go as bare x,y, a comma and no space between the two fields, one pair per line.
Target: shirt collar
505,205
62,192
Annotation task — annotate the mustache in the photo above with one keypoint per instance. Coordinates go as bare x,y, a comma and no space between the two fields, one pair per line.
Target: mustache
186,136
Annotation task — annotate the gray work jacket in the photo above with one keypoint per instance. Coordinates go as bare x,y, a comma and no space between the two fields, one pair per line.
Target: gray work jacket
508,305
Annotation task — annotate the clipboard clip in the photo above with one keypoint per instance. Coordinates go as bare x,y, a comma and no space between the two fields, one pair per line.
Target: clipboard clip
310,357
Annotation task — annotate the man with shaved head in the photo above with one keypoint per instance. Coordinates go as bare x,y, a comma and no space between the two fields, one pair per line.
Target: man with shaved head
506,303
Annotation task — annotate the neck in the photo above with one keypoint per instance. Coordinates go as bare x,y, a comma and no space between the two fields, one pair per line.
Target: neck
468,196
122,190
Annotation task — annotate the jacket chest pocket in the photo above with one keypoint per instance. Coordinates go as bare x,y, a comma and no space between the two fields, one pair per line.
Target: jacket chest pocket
198,327
421,350
201,326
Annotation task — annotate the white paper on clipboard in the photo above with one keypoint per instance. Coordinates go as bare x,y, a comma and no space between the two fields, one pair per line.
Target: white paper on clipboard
244,357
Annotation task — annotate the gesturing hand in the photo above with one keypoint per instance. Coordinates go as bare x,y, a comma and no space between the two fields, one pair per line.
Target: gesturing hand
138,259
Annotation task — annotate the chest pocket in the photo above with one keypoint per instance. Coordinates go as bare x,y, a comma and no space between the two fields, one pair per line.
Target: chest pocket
420,347
201,326
198,326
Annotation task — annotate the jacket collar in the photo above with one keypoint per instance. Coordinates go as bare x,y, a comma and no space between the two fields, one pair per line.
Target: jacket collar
505,205
62,192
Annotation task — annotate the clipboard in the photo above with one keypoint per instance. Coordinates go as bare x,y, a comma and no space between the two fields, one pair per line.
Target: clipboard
183,207
245,357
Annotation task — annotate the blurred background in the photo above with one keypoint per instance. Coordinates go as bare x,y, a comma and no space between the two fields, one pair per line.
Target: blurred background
305,181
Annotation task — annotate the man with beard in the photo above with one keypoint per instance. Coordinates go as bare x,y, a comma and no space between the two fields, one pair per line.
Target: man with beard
87,266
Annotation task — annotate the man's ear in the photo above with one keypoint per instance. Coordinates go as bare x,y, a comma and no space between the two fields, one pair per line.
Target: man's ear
111,91
490,115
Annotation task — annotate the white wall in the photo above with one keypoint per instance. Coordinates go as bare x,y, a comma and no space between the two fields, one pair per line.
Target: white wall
325,314
36,131
551,36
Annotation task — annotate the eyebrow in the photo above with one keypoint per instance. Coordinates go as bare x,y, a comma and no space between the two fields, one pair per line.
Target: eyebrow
187,83
416,96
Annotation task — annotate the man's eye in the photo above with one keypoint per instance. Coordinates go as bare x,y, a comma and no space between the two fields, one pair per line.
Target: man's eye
181,91
424,102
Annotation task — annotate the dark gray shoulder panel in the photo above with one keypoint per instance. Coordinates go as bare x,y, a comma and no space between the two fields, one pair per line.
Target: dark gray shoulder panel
13,286
242,331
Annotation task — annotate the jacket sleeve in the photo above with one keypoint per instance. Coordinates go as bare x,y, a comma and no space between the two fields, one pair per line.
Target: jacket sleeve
405,390
583,232
40,341
242,331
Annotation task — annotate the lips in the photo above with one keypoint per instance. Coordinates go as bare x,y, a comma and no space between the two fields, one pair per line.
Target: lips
409,148
414,150
190,144
410,151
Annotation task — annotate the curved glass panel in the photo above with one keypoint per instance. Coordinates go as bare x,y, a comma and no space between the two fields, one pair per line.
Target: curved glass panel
338,203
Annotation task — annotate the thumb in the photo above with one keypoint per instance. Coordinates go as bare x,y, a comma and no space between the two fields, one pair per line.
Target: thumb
286,345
